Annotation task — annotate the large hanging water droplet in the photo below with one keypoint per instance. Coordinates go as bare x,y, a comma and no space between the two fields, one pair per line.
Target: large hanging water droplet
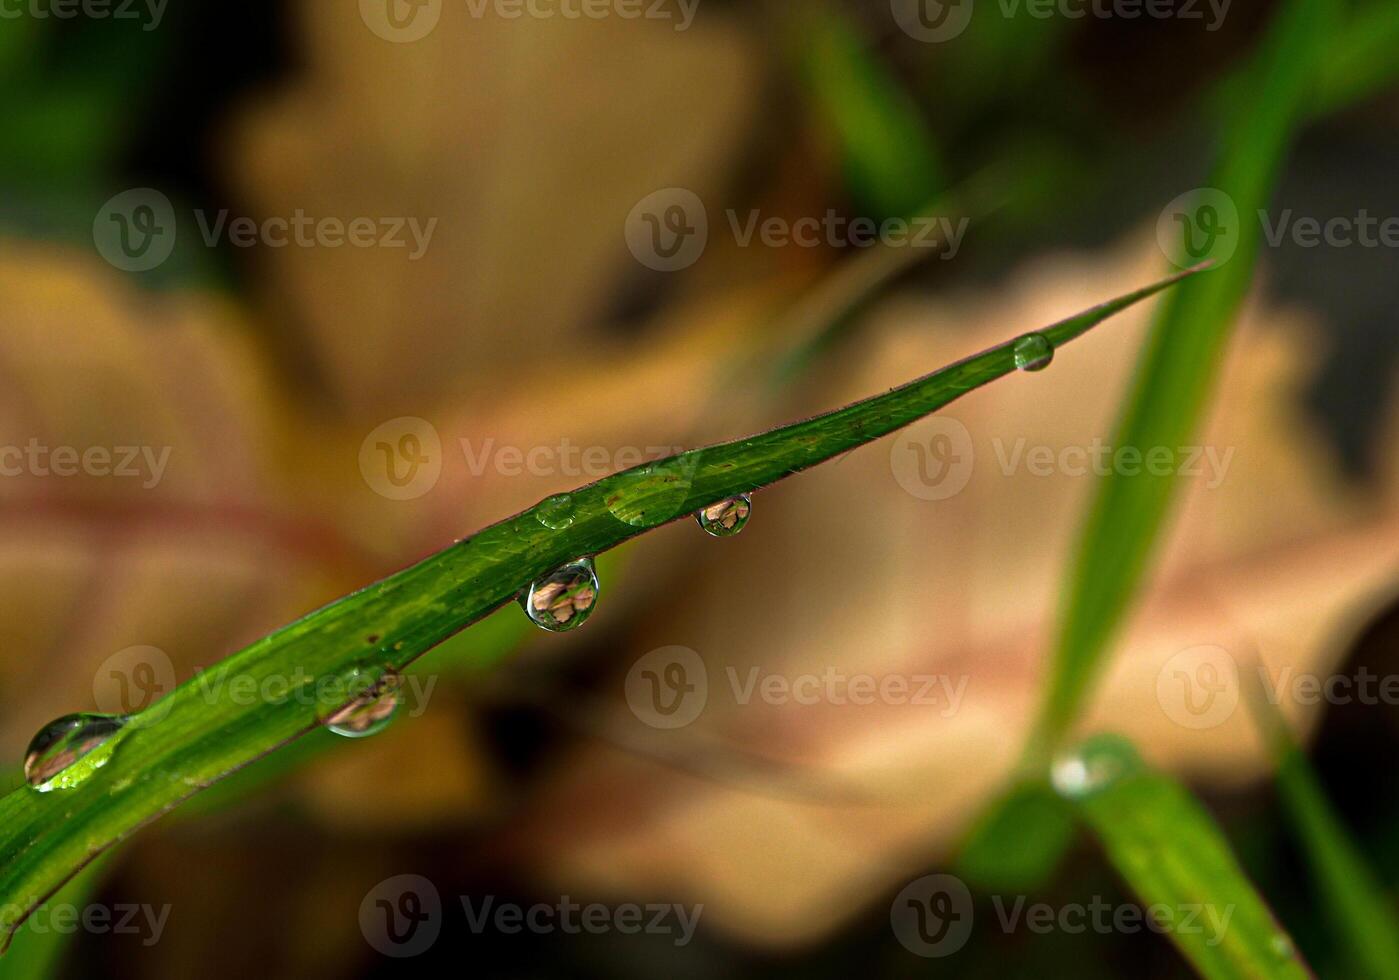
1033,352
66,752
1094,766
727,517
564,599
556,513
654,494
365,701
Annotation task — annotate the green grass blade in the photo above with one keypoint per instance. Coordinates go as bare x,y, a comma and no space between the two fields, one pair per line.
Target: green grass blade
37,954
1360,913
1173,856
1177,370
1019,841
890,156
210,726
1360,60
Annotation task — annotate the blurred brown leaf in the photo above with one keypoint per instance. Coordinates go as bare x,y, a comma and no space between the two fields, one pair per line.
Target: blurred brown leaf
845,569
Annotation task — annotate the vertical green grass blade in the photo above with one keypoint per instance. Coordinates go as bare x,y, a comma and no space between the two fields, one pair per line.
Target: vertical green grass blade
1361,59
890,156
1355,905
1178,368
1173,856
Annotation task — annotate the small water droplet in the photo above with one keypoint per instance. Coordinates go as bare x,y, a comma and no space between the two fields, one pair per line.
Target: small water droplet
1094,766
564,599
1282,946
1033,352
67,751
556,513
727,517
653,494
365,698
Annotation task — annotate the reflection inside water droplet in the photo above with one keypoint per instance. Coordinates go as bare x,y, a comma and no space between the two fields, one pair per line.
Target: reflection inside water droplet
1033,352
1094,766
366,698
556,513
727,517
564,599
66,752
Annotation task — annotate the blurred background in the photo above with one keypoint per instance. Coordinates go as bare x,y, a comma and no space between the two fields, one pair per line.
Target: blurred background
254,241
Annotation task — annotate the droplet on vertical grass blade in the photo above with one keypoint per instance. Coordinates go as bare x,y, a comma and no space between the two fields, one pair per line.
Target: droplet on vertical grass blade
1094,766
564,599
366,699
556,513
66,752
1033,352
727,517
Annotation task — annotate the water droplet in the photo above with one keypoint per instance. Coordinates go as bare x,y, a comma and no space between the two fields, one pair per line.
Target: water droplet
1282,946
727,517
556,513
1033,352
365,700
564,599
653,494
68,751
1094,766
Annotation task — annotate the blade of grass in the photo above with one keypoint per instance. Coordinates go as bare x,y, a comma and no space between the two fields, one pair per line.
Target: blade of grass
1170,852
890,155
1360,60
1360,913
210,727
1176,374
1168,396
